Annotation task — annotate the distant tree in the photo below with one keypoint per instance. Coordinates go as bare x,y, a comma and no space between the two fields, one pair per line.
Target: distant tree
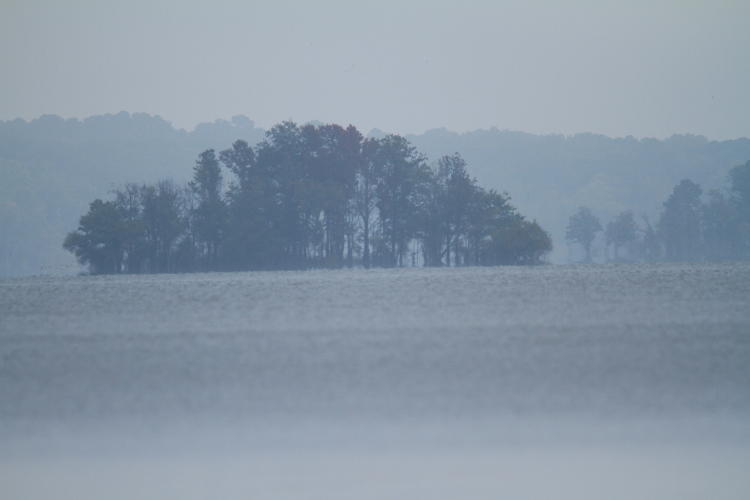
680,223
621,231
295,206
240,160
305,197
740,191
249,240
399,168
210,213
489,211
163,223
740,181
333,157
721,228
650,247
129,203
457,190
98,242
582,229
517,241
365,200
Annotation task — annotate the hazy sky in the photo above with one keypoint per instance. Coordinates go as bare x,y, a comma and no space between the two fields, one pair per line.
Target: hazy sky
648,68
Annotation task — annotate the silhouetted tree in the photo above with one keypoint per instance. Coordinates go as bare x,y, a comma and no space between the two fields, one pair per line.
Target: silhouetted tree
650,246
680,223
210,213
98,240
721,228
457,190
162,223
516,242
582,229
399,168
305,197
740,191
365,193
249,240
621,231
489,210
129,203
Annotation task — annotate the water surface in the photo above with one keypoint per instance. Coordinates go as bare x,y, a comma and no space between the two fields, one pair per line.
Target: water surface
572,382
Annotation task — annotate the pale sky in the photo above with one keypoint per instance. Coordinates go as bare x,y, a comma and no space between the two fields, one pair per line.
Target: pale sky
642,68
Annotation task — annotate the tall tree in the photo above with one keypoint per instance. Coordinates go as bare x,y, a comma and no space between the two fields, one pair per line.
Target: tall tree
333,156
281,157
366,193
458,190
740,189
721,228
210,212
249,242
399,168
680,223
162,222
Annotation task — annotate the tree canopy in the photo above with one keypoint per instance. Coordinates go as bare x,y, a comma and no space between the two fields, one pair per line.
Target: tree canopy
308,196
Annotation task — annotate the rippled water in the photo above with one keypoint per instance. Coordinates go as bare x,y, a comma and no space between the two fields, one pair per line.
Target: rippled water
565,382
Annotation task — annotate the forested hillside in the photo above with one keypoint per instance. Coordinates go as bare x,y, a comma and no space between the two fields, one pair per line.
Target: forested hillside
51,168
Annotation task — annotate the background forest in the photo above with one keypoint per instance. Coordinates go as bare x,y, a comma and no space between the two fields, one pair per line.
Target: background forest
51,168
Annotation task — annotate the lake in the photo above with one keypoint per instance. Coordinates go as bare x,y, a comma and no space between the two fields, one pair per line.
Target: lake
628,381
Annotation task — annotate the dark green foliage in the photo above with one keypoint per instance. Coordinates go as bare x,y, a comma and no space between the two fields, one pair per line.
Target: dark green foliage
310,196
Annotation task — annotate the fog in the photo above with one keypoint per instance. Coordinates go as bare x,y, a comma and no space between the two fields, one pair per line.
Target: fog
366,250
647,69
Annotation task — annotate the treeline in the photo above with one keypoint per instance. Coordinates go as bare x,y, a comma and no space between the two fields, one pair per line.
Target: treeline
308,196
689,228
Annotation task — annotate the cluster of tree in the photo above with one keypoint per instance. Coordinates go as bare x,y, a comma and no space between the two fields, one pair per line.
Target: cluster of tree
308,196
50,168
689,229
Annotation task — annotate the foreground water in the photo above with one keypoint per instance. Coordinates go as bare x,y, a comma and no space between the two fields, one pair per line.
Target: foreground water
564,382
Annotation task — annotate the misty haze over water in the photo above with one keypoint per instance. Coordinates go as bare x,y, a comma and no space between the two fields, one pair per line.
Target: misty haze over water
572,382
51,169
377,151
